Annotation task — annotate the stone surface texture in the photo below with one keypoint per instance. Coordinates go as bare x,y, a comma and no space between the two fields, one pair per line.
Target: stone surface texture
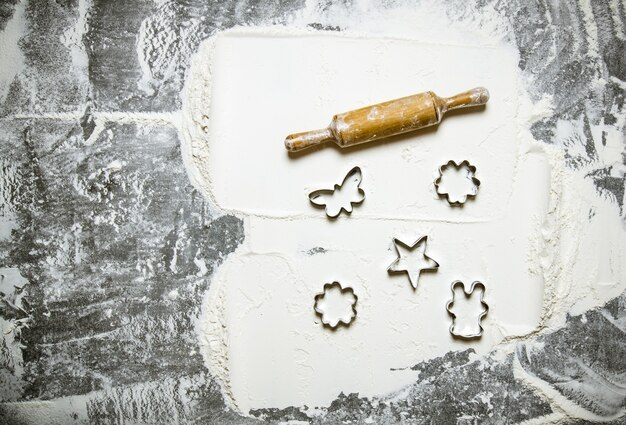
109,247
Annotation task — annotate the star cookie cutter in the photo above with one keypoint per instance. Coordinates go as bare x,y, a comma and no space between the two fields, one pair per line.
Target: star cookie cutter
334,322
399,266
467,295
471,172
328,197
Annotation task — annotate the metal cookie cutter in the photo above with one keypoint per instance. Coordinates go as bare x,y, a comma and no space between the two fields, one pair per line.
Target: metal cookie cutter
480,316
471,171
402,263
338,320
331,198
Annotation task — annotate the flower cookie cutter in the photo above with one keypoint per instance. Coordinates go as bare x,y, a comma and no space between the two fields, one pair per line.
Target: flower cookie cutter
471,172
467,294
328,319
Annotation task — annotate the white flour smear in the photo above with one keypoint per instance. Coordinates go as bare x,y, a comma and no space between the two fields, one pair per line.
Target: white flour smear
531,234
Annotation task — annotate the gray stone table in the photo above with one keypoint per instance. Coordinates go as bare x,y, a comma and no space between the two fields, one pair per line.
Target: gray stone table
90,251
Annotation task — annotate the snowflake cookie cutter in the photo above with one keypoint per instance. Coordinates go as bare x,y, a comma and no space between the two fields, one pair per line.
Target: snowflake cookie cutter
334,322
471,173
325,197
467,294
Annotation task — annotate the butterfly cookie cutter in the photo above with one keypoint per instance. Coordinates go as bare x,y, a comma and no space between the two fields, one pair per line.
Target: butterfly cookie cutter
471,172
342,197
467,294
330,321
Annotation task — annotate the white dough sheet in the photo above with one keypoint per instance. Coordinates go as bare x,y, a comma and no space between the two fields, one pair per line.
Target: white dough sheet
261,336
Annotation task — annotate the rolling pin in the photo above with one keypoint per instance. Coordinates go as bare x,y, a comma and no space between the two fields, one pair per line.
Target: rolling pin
386,119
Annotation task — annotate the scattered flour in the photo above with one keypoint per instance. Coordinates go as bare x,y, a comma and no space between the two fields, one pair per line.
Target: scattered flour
73,40
531,234
10,52
257,316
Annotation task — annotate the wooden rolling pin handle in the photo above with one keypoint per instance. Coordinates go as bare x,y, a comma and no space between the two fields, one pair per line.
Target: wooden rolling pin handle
299,141
474,97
